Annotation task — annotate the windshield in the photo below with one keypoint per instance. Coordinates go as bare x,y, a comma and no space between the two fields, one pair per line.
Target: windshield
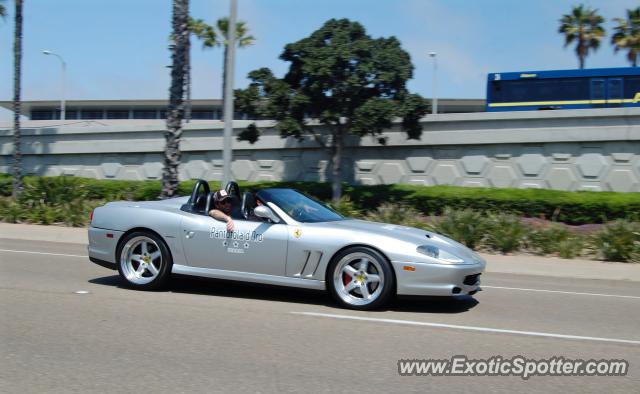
300,207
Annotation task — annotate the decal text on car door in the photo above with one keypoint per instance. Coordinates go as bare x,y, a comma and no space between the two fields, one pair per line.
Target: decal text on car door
239,240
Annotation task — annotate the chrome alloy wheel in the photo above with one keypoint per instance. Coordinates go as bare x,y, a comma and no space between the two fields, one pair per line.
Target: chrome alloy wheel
358,279
141,260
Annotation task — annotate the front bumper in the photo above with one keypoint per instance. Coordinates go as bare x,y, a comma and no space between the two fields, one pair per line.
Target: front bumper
426,279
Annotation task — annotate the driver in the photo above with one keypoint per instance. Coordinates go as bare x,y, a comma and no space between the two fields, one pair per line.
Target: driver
223,207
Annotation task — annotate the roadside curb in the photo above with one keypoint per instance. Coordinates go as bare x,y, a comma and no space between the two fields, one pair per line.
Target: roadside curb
561,268
506,264
35,232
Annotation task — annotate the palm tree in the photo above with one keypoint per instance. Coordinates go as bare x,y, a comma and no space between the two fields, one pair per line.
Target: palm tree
583,25
175,112
243,39
627,35
17,55
209,39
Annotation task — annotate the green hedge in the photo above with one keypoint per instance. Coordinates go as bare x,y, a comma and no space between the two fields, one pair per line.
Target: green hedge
96,189
567,207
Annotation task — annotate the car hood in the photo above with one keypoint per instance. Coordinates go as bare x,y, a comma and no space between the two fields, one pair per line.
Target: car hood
407,234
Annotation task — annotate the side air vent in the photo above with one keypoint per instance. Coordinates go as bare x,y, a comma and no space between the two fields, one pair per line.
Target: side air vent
312,259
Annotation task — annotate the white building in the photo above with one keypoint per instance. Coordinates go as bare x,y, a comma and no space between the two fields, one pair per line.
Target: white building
208,109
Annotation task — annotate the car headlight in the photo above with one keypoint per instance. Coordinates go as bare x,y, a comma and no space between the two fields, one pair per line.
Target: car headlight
439,254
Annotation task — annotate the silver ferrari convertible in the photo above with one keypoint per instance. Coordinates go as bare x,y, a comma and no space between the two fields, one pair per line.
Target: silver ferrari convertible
280,237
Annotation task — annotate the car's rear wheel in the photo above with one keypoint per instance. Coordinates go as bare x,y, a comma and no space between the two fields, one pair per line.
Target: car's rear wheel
144,261
360,278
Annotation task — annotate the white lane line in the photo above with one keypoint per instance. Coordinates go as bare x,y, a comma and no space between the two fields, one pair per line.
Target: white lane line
468,328
50,254
558,291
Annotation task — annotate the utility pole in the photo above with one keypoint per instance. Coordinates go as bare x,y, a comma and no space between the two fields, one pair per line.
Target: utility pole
228,95
63,111
434,106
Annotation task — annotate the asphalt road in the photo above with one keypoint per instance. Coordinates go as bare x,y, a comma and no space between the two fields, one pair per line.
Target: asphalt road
216,336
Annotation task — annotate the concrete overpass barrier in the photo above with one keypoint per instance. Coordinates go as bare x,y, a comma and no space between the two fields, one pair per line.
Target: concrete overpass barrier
596,150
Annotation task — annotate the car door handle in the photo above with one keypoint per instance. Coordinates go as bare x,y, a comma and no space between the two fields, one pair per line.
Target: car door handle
189,234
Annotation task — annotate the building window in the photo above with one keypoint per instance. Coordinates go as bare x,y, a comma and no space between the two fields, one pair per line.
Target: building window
42,115
145,114
118,114
91,114
68,114
201,114
163,114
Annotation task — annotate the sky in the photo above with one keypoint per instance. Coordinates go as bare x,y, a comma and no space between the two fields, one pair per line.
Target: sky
117,49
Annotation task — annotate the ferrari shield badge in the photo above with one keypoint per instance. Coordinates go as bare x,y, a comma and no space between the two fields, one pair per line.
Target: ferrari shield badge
297,233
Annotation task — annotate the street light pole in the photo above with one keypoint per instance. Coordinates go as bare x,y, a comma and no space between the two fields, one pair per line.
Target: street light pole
434,106
64,72
228,94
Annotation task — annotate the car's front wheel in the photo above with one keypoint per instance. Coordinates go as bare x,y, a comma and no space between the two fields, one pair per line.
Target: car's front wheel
360,278
144,261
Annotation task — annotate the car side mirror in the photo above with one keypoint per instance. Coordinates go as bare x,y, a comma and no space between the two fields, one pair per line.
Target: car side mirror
265,212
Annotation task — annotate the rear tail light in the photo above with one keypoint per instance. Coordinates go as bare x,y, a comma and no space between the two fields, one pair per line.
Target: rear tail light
91,216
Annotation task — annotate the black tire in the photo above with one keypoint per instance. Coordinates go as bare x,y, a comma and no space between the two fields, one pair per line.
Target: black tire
338,282
141,276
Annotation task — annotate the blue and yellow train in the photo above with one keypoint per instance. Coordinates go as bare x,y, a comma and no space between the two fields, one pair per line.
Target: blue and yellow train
564,89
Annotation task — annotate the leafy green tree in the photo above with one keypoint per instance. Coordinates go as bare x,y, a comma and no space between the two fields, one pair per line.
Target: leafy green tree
627,35
342,79
17,72
175,113
584,26
3,11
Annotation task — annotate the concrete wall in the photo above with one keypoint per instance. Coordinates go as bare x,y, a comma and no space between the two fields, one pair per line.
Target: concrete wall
566,150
